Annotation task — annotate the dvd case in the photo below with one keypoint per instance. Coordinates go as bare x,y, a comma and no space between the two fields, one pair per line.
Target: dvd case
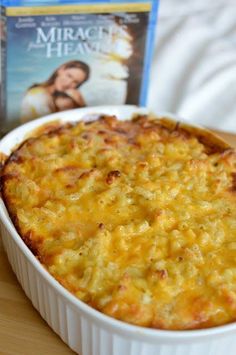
58,55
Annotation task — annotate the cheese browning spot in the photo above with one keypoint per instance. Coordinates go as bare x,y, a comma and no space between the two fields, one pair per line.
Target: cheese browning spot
234,181
112,176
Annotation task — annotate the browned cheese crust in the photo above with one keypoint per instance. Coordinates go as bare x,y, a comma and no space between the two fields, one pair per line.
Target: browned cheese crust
136,218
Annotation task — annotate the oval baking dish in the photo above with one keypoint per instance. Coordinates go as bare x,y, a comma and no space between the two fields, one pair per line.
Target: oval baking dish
85,330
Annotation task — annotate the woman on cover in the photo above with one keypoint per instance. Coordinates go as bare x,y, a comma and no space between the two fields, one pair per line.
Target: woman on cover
39,98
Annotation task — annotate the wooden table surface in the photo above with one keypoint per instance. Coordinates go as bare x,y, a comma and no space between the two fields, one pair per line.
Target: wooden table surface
22,330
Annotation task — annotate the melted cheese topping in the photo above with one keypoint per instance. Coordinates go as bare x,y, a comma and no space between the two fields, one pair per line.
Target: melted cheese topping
134,219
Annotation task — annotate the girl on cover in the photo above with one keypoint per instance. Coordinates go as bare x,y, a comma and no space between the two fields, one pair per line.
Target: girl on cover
39,98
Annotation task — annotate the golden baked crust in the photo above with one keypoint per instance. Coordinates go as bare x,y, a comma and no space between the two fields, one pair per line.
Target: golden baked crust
136,218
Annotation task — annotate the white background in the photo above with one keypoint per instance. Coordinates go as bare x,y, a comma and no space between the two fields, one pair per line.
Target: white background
194,65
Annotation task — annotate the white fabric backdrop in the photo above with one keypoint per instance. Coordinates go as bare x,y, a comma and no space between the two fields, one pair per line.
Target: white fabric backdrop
194,65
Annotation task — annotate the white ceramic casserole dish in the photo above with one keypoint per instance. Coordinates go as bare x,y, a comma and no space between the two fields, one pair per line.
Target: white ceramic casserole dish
85,330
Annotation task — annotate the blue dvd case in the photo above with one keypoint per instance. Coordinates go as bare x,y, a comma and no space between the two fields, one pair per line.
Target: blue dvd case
58,55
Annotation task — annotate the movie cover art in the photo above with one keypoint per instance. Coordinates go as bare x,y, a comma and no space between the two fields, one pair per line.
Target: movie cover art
58,62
